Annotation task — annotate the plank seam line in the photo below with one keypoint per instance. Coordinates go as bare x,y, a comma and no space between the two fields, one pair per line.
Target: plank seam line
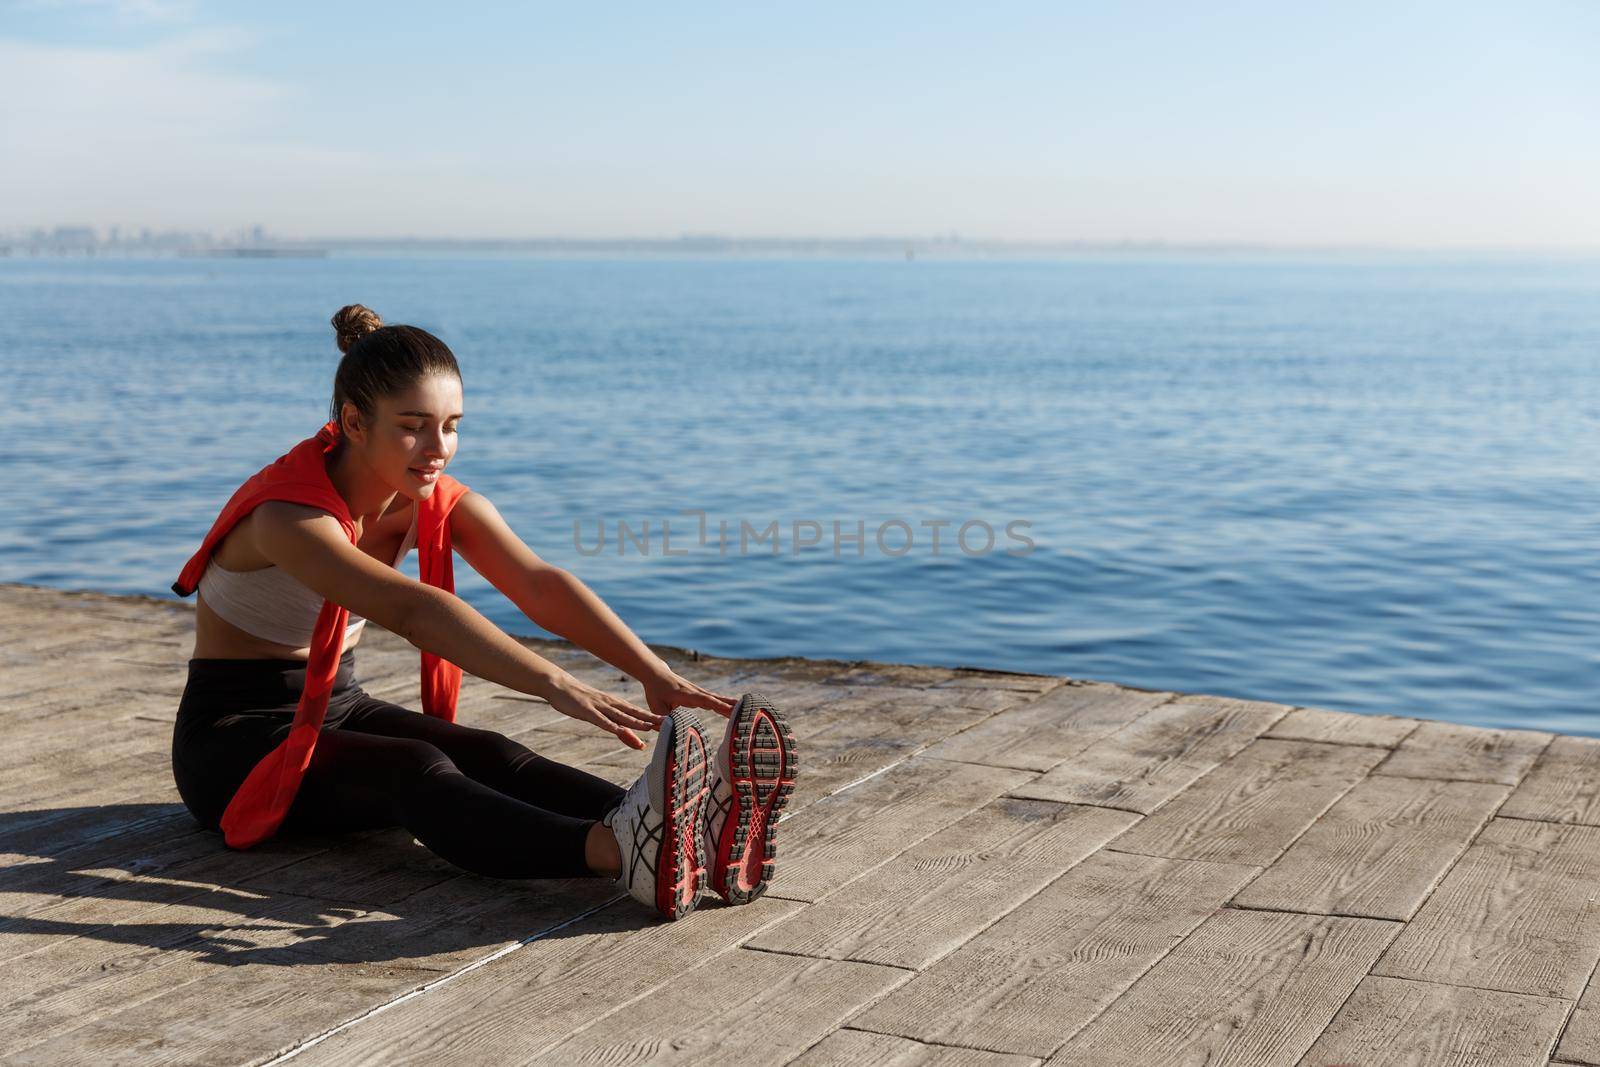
1477,988
1513,785
1171,697
828,959
802,1053
618,1008
977,763
1445,874
1439,880
851,785
906,978
1547,822
1314,823
1173,948
1260,868
1057,800
1379,772
452,976
931,1041
908,756
1416,724
1327,741
994,919
1108,1005
1087,1022
1355,986
1327,914
921,840
1019,703
1282,851
942,685
1572,1010
1207,734
117,831
1005,913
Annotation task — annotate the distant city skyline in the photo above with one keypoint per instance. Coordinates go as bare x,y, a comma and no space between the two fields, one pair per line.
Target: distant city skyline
72,240
1422,125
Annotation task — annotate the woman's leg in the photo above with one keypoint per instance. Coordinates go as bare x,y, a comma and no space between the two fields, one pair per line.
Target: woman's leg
359,780
486,756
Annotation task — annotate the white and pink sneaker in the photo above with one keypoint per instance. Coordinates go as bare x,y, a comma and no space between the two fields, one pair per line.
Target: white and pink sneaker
752,778
660,824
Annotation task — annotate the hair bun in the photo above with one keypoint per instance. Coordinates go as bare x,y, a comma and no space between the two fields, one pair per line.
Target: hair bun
352,322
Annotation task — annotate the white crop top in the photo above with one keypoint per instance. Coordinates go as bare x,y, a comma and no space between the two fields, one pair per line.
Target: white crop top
273,605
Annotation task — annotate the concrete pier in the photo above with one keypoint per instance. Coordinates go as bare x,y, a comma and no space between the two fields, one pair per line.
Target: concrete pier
977,868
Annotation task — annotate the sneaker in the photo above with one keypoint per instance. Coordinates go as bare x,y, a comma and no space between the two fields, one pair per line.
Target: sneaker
752,777
660,824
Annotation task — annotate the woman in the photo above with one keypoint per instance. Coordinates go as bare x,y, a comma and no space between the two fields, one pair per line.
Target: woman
475,797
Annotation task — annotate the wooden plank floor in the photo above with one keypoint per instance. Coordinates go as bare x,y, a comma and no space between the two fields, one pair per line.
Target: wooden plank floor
978,868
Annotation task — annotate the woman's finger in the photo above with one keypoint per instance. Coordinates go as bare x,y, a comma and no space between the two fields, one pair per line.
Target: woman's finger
623,734
626,718
644,713
712,702
704,698
635,710
595,715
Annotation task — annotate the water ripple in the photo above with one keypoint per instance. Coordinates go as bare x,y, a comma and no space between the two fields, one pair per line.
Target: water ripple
1352,483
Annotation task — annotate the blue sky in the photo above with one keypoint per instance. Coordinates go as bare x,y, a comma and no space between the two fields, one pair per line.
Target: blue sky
1433,124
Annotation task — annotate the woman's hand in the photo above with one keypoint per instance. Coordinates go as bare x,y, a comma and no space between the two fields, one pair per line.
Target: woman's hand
612,714
667,690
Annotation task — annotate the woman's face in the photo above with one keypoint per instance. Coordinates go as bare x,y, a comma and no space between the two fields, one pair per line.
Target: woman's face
415,431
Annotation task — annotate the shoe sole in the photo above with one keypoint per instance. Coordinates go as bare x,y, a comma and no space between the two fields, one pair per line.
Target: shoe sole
763,758
679,860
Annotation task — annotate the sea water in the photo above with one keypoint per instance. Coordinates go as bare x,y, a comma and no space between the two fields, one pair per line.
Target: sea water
1354,481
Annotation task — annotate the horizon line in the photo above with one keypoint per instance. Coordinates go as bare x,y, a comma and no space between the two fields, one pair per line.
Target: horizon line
944,242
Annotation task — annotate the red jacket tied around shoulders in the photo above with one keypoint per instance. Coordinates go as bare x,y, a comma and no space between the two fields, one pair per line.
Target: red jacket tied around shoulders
300,476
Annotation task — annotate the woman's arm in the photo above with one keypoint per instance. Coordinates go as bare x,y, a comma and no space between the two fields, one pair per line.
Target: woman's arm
448,626
309,544
559,602
562,604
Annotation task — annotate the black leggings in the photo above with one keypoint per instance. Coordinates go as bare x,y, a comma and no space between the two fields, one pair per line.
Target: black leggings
479,799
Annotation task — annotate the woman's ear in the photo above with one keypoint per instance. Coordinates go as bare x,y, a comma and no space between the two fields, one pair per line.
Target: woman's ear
350,424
